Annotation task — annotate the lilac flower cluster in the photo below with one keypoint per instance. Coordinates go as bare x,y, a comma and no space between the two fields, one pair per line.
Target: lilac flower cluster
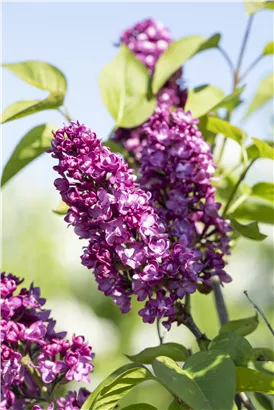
109,209
72,401
148,40
157,245
34,358
176,169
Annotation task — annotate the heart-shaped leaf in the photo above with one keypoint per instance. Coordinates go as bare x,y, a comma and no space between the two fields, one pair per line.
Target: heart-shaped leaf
33,144
207,381
254,380
124,90
264,190
255,211
219,126
242,326
234,345
173,350
250,231
263,94
201,100
177,54
116,386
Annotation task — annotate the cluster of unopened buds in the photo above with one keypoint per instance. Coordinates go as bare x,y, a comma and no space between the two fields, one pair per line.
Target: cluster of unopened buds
159,237
35,359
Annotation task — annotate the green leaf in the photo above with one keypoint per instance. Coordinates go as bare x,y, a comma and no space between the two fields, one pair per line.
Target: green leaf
267,367
23,108
264,190
250,231
177,54
269,48
253,380
255,211
201,100
40,74
116,386
237,347
241,326
263,94
125,99
173,350
231,101
253,152
140,406
219,126
254,6
263,354
264,149
265,401
61,209
175,405
33,144
207,381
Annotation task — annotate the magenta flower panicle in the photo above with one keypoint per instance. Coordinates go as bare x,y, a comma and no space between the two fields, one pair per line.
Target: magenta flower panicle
32,350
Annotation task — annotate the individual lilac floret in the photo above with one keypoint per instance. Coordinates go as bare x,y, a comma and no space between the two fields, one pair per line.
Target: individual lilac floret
107,208
176,169
148,40
32,352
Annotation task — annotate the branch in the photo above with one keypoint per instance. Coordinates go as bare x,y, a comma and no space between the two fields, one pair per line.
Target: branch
246,401
241,55
261,313
161,338
219,301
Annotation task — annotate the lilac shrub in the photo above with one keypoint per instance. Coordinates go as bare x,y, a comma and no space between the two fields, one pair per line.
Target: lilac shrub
156,240
34,357
148,40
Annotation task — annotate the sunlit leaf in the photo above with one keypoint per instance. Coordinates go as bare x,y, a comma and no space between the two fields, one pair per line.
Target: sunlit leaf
236,346
207,381
126,99
23,108
254,6
219,126
269,48
173,350
264,190
33,144
39,74
201,100
255,211
264,149
254,380
253,152
231,101
177,54
175,405
263,94
250,231
140,406
108,394
241,326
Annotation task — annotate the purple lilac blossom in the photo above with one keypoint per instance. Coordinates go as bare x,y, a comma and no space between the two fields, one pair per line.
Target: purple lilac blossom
72,401
109,209
30,347
158,242
148,40
177,167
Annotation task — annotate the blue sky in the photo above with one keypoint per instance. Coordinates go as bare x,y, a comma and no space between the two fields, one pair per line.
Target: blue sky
78,38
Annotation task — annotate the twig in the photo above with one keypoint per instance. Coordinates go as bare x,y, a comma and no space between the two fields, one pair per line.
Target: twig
227,58
161,338
201,338
219,302
261,313
241,55
252,65
246,401
65,114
